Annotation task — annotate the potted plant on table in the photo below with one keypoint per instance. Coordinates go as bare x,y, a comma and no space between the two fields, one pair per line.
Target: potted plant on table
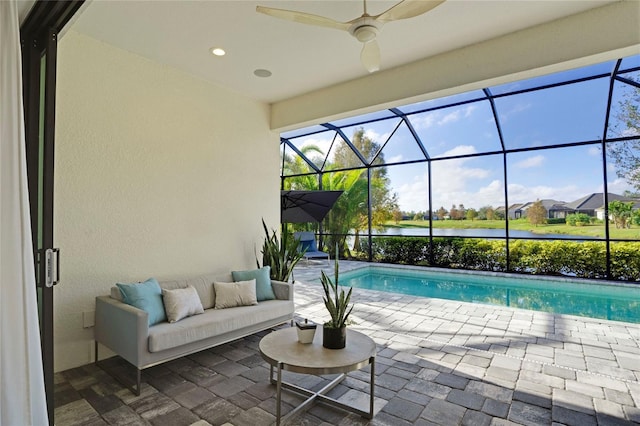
334,331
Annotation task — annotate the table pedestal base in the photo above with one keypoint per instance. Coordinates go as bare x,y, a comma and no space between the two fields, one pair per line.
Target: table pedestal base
318,396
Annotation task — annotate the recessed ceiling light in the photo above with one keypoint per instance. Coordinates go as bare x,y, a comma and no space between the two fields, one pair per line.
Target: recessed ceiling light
218,51
262,73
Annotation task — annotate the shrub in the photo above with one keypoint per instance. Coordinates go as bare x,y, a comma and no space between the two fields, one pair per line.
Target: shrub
556,221
573,258
485,255
578,219
625,261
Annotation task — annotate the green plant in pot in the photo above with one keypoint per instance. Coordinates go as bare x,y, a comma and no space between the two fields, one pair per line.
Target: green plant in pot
334,331
281,254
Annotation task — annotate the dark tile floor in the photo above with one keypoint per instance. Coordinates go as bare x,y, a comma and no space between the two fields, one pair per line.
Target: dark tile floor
439,362
228,384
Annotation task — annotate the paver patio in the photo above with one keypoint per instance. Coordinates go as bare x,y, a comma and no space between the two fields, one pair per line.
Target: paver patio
439,362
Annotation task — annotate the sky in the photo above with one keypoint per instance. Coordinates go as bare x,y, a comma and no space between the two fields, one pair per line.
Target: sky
560,115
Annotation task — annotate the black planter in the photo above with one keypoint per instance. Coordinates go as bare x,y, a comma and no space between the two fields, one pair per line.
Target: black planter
334,338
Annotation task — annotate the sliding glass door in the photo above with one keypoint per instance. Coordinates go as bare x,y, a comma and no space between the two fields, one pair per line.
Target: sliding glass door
39,37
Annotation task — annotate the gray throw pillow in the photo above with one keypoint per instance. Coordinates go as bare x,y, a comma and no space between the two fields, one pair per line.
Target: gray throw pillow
239,293
181,303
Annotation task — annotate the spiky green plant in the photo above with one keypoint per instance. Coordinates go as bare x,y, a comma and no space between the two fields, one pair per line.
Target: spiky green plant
281,254
336,301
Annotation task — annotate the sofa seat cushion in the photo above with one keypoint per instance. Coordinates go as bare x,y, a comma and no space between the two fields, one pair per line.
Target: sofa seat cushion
215,322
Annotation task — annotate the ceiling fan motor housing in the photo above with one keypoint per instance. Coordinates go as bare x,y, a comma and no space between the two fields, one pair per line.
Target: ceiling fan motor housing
365,29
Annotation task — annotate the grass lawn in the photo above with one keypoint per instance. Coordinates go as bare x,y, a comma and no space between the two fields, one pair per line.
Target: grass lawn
595,230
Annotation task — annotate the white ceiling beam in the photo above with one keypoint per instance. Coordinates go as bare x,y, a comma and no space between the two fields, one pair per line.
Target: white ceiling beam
593,36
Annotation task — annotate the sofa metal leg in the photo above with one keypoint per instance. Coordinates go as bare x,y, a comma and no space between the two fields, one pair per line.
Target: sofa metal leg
95,352
137,390
134,388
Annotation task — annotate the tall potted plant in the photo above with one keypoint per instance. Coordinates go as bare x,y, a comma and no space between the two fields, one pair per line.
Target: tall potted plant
281,254
334,331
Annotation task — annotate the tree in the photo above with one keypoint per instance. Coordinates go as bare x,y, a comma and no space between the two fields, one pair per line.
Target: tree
491,213
537,213
454,213
462,211
350,213
471,214
397,216
621,213
441,213
299,170
626,154
486,213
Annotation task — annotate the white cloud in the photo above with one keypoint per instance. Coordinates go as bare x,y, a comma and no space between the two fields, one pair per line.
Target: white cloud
492,193
453,178
618,186
527,163
519,193
424,121
594,151
377,137
414,196
460,150
451,117
469,110
322,144
371,134
516,109
394,159
453,183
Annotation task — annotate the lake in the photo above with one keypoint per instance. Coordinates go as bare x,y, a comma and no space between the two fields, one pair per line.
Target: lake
480,233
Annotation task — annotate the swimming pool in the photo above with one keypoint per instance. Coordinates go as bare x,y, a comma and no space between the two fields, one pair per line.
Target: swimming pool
587,299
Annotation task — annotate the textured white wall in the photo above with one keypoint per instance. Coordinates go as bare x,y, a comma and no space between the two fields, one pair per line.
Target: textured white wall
157,174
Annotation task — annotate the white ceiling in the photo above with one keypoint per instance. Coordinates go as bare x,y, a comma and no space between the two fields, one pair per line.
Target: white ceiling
302,58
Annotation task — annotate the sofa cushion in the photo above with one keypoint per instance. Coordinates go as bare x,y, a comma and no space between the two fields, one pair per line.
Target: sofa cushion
239,293
146,296
263,281
203,285
180,303
215,322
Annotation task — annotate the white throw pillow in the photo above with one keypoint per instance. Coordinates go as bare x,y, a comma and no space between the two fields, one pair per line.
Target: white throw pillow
181,303
239,293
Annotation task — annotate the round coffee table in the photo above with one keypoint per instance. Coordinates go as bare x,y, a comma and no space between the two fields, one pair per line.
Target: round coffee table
282,350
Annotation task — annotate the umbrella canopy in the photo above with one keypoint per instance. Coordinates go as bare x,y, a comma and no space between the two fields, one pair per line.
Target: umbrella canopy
306,206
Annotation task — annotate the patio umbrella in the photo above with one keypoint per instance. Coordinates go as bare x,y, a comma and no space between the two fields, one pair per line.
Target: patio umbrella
306,206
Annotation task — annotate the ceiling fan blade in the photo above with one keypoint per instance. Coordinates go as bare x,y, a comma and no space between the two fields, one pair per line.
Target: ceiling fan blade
370,56
303,18
408,9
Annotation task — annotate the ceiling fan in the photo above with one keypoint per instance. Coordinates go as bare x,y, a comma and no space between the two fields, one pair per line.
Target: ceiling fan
365,28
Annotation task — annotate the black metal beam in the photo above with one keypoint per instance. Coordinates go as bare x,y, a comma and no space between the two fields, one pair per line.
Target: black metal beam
614,75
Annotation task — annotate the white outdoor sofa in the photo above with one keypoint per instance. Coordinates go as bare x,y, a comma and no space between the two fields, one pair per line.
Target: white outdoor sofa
124,328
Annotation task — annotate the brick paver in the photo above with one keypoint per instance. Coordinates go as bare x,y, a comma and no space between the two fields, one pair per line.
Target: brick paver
439,362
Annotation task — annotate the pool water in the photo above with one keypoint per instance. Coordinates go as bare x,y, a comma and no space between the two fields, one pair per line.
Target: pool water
587,299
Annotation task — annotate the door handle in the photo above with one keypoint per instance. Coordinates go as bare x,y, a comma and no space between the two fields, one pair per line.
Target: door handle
52,264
